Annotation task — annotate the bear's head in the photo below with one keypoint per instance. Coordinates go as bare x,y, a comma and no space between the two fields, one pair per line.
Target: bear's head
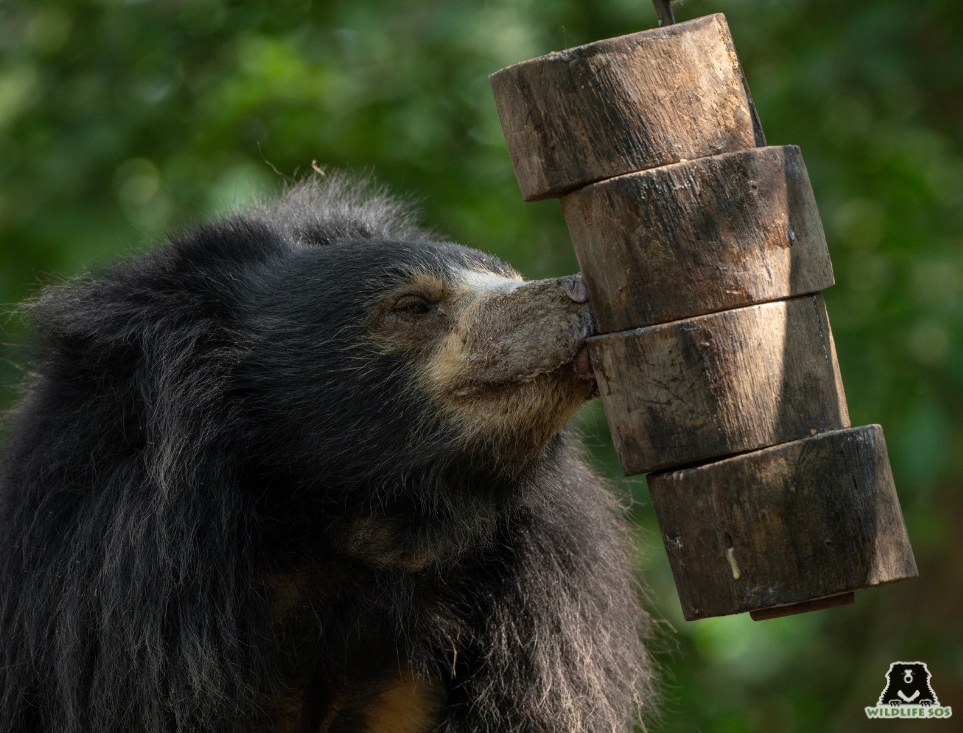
380,353
364,381
405,390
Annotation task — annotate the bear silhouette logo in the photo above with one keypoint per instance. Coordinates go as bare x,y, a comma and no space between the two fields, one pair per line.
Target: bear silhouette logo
908,683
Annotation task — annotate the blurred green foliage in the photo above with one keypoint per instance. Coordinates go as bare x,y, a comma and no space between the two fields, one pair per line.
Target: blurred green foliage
120,121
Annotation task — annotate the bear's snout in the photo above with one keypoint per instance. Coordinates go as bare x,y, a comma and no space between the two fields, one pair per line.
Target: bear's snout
538,328
514,367
509,332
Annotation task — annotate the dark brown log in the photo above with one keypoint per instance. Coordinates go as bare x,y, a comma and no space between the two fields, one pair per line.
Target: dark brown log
623,105
719,384
697,237
699,242
782,526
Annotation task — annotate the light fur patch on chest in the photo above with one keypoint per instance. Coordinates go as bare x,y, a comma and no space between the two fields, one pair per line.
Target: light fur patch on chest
408,705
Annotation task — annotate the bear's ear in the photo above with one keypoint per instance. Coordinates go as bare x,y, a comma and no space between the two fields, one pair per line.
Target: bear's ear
84,329
151,342
182,290
192,427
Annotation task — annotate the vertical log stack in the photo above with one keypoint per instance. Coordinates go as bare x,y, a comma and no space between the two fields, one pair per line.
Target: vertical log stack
703,254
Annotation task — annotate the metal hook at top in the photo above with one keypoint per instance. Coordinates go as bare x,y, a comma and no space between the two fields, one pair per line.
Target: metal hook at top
663,9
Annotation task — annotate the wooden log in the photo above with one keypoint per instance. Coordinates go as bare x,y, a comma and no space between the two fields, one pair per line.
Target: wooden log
697,237
701,249
623,105
715,385
811,520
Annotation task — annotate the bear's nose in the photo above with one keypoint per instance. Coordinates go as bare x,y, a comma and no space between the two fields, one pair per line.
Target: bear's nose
574,287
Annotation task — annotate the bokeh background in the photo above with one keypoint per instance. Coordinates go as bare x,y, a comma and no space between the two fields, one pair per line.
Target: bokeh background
120,121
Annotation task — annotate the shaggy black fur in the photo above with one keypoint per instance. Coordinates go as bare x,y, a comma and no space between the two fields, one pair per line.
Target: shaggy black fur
208,429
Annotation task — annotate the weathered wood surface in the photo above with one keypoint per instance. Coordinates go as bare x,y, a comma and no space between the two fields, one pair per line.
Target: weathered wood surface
715,385
700,250
806,520
697,237
623,105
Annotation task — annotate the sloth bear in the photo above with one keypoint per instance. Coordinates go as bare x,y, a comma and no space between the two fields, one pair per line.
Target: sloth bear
307,470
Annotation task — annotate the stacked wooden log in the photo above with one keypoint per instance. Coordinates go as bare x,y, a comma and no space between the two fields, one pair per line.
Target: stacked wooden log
704,257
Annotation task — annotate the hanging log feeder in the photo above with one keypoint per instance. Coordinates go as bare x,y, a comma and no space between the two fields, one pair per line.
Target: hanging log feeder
704,255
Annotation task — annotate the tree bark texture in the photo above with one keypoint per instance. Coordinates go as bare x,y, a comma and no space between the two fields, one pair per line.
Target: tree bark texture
624,105
689,391
697,237
786,525
703,255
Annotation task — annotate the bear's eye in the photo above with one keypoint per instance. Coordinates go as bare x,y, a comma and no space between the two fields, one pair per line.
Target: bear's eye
412,304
